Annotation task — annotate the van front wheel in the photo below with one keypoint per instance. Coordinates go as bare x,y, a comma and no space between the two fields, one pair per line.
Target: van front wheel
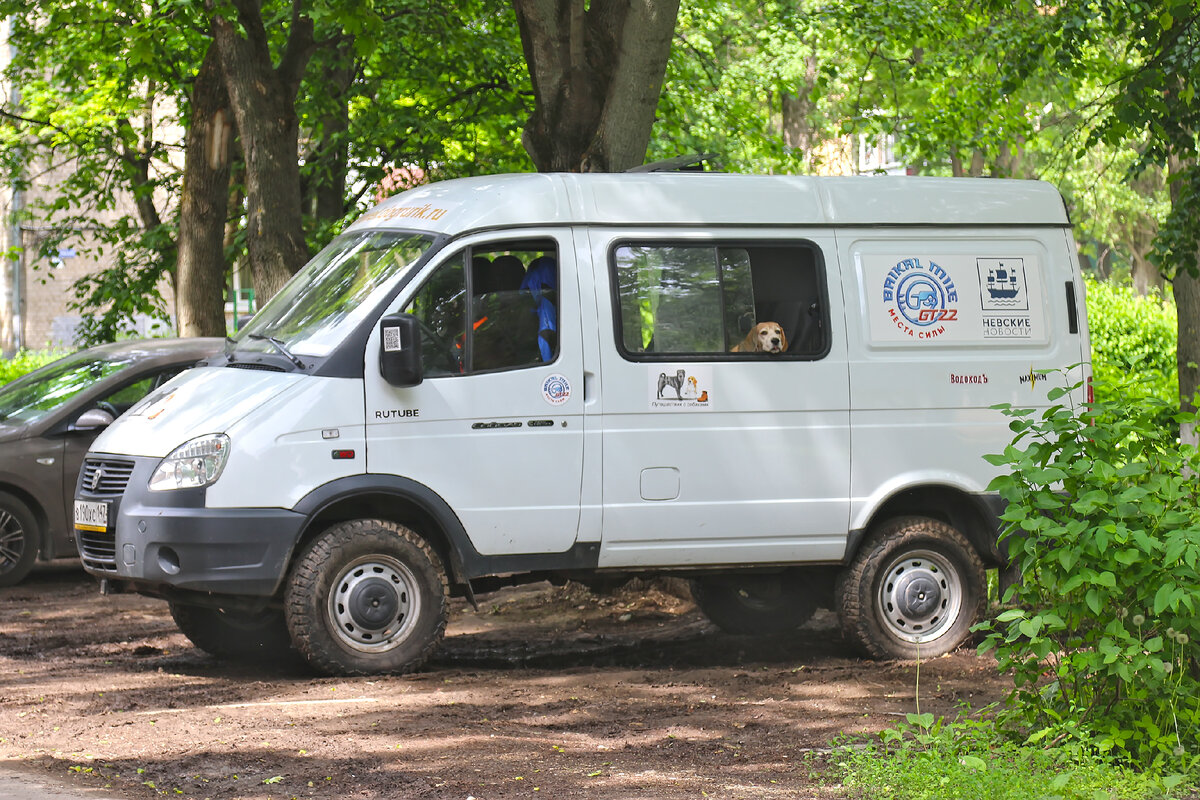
234,635
367,597
913,591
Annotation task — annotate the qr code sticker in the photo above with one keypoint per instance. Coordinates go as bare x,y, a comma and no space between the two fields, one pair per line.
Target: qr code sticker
391,340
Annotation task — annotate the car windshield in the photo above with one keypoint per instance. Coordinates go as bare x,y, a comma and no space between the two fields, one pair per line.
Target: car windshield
44,391
333,293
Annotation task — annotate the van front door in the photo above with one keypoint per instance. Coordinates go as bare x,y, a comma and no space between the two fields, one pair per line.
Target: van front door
725,414
495,428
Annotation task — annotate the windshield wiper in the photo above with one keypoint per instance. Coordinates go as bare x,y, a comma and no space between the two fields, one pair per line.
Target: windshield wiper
280,346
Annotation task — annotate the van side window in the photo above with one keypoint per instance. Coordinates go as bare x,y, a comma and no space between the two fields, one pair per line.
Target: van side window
684,299
510,298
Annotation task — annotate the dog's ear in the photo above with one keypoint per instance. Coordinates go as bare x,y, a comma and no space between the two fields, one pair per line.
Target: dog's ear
783,345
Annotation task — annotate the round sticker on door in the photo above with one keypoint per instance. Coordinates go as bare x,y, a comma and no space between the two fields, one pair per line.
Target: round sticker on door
556,389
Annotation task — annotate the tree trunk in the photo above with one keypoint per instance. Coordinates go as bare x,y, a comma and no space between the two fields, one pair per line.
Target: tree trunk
1186,288
1146,277
263,98
200,279
797,110
597,70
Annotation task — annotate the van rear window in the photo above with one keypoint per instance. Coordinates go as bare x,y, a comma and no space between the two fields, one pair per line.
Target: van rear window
740,300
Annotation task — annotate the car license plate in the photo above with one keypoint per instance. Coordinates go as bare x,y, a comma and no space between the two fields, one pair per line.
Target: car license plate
91,516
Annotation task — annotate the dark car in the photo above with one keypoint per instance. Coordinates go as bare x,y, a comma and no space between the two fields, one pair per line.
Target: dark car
48,419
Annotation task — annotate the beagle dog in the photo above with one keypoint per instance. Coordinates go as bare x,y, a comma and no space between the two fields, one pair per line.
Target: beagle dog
765,337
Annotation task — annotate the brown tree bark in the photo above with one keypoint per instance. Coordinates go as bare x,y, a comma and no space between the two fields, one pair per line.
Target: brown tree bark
263,98
200,277
597,70
1186,288
797,112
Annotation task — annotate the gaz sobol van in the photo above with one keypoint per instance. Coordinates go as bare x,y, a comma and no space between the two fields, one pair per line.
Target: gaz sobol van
779,388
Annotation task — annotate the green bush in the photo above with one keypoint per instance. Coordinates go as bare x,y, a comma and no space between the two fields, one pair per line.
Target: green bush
26,361
927,759
1103,521
1133,335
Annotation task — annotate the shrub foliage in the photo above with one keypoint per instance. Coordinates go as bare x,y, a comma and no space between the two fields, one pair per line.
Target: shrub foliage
1102,518
25,361
1133,335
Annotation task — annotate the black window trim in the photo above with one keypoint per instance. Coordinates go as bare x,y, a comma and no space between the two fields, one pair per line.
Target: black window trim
718,242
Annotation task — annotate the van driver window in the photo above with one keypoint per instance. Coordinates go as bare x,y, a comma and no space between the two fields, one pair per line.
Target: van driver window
745,300
510,298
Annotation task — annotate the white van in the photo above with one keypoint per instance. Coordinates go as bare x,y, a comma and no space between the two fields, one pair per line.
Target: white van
779,387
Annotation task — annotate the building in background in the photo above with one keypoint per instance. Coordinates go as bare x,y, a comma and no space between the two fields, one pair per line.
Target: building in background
36,291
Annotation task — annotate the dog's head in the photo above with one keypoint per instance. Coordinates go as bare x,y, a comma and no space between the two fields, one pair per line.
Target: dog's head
767,337
692,381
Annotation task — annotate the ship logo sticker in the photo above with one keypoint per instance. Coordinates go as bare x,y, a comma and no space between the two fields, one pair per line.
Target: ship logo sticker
920,298
1002,285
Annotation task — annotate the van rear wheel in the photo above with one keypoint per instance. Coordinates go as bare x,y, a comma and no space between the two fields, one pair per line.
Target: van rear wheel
755,604
914,590
367,597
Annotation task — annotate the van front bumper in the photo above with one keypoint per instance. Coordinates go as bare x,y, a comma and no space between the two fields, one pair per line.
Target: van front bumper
163,542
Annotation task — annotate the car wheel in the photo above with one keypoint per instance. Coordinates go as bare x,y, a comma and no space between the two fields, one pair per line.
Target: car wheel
19,540
254,636
755,604
367,597
914,590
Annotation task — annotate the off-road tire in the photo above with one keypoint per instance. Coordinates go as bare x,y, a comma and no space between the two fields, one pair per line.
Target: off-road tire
913,591
367,597
755,605
254,637
19,540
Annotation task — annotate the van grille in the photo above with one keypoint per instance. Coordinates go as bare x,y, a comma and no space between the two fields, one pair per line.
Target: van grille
105,477
98,550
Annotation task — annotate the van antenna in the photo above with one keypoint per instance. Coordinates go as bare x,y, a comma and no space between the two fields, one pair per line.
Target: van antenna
690,163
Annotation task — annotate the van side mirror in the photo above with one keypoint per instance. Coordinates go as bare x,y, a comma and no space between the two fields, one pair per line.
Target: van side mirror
400,350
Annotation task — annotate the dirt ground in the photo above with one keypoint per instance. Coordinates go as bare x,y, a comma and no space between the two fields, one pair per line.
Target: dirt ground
544,692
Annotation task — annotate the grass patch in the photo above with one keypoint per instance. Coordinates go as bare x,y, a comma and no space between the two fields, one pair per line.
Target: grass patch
928,759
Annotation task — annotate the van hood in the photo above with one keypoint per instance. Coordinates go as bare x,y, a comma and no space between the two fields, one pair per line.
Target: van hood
196,402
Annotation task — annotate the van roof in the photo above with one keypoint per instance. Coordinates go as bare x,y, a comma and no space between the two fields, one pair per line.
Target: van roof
688,198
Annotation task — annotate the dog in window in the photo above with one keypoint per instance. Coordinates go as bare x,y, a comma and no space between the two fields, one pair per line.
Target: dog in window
765,337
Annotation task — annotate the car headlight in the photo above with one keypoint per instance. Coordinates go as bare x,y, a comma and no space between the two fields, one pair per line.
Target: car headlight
193,464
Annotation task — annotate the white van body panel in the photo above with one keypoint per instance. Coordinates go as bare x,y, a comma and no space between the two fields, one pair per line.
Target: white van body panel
922,394
196,402
287,449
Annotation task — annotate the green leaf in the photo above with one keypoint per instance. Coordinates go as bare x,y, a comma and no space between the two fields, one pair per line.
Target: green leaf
1165,597
973,762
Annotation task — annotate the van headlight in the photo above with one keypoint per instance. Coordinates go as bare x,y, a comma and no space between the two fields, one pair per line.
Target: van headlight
193,464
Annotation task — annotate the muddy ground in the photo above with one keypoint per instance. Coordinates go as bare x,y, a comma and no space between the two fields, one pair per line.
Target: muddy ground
542,693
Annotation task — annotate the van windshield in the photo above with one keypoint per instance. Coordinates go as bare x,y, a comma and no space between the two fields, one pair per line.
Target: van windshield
334,292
